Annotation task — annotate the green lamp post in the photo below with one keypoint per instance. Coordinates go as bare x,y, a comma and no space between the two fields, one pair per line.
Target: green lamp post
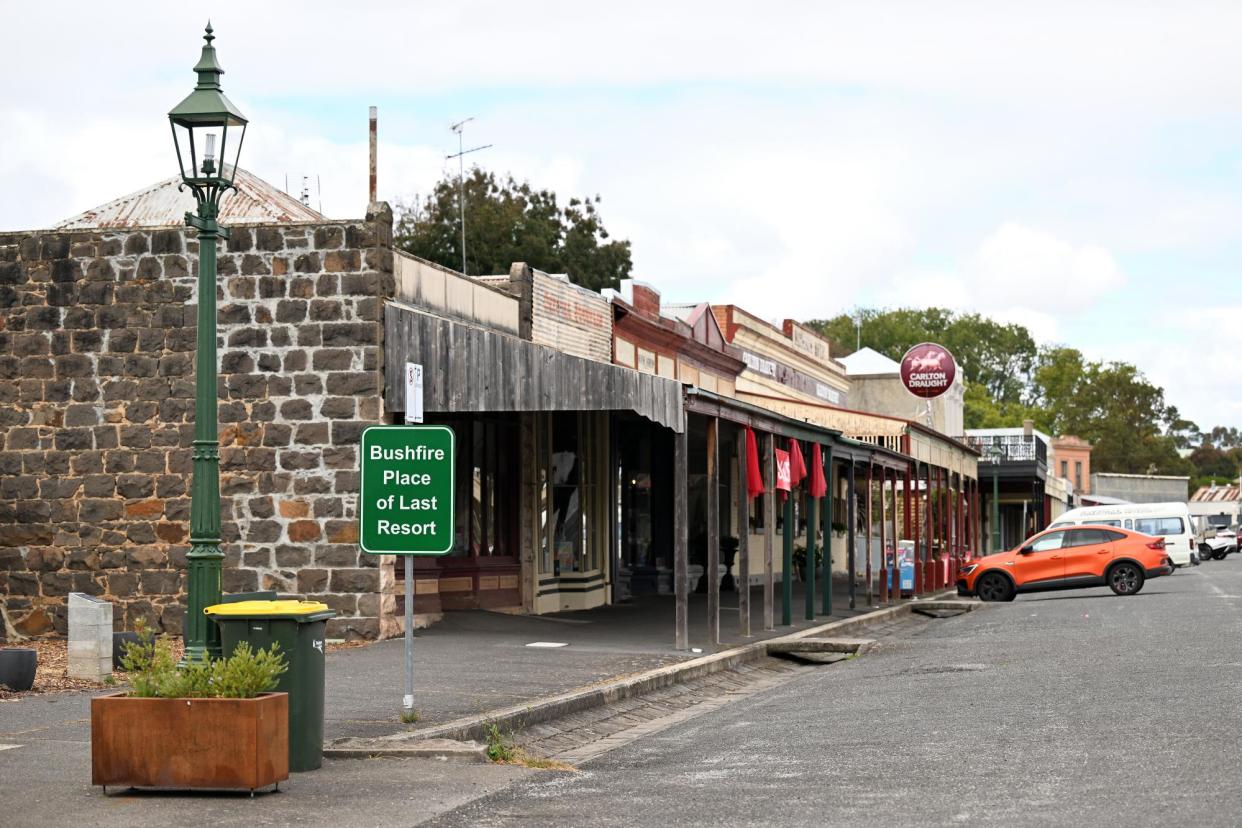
997,453
201,126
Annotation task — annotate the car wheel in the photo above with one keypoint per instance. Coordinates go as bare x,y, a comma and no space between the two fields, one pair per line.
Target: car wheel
994,586
1125,578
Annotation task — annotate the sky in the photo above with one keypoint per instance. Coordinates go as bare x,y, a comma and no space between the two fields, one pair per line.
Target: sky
1073,167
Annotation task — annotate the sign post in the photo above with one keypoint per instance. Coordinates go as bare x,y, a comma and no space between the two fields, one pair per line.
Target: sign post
413,392
406,504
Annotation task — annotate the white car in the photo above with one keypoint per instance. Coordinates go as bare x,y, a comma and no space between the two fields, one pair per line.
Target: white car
1224,543
1170,521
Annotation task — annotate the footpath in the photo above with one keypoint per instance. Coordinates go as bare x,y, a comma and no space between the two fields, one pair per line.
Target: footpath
479,667
470,667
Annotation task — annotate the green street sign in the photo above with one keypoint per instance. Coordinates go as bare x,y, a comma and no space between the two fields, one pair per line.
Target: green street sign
406,503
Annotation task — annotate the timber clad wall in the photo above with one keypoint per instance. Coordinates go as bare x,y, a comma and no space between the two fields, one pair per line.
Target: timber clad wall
97,333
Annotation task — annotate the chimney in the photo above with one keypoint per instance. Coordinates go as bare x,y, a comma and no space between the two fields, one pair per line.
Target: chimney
1028,428
374,118
646,300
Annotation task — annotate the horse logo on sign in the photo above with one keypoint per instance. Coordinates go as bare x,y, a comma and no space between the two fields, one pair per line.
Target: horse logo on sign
928,370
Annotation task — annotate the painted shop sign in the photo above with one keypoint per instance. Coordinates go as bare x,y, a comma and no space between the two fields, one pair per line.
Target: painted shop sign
406,502
759,365
928,370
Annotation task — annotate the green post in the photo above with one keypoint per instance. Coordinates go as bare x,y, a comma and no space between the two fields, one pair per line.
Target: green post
202,636
787,563
996,532
198,123
825,519
812,521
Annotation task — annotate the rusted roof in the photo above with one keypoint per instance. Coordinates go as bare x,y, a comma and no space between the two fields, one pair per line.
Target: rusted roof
164,204
1215,494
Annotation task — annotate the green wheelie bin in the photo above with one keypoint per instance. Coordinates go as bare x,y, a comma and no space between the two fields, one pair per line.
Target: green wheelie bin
298,627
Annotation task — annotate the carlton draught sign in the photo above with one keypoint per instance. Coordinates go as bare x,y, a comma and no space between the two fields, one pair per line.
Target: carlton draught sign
928,370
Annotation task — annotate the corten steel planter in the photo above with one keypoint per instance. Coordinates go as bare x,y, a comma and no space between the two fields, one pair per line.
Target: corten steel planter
190,743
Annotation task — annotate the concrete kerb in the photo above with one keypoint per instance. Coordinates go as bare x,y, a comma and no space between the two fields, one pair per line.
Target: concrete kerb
474,728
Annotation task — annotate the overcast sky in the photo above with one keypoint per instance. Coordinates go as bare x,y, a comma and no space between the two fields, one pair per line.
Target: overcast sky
1075,167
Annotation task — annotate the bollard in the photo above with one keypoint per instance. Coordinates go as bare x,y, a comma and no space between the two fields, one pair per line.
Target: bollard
90,637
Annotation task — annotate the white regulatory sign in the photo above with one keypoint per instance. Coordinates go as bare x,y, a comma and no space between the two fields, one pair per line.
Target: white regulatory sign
413,392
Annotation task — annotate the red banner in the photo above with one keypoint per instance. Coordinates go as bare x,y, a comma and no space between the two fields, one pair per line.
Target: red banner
819,484
754,477
782,470
797,466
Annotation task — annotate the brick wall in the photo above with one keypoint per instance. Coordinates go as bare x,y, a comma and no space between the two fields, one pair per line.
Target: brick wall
97,334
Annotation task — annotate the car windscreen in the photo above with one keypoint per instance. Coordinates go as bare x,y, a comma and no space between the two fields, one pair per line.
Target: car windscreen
1159,526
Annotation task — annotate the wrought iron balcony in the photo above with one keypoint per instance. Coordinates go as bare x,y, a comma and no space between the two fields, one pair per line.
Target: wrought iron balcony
1010,448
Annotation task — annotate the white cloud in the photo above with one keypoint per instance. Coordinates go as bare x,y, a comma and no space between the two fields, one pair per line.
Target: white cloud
801,158
1015,274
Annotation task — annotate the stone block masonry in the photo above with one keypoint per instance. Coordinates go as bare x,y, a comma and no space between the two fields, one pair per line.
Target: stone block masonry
97,333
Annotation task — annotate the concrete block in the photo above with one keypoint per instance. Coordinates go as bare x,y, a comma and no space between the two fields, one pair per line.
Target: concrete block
90,637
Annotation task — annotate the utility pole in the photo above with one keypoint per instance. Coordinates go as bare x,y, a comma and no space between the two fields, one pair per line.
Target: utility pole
460,128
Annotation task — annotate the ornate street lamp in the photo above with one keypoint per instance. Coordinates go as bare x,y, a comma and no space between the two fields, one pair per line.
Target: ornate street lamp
997,453
203,125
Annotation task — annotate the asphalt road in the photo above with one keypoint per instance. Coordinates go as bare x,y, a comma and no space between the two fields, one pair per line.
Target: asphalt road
1070,708
1063,708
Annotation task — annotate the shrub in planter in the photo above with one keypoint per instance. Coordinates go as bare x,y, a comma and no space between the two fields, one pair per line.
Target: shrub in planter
17,668
799,560
209,724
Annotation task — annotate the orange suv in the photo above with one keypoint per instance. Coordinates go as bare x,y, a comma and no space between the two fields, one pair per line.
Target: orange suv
1084,556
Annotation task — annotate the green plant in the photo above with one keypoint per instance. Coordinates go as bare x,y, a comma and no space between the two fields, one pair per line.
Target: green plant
500,747
410,716
838,527
154,673
799,557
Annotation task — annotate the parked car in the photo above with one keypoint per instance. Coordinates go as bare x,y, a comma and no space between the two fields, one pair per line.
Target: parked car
1068,558
1224,542
1170,521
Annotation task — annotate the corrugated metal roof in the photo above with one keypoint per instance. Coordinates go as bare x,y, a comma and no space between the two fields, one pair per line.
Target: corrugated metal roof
164,205
1215,494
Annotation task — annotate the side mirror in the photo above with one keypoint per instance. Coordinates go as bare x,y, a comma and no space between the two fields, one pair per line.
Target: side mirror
1026,550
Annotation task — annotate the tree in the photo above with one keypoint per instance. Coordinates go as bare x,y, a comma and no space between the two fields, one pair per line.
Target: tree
997,356
1008,379
509,222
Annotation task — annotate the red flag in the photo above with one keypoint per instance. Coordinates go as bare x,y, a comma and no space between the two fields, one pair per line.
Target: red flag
797,466
782,471
819,484
754,478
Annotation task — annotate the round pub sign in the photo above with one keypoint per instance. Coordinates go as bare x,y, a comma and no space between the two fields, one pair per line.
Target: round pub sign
928,369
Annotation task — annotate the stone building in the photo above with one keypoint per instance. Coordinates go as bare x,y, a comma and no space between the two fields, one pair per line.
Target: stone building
97,331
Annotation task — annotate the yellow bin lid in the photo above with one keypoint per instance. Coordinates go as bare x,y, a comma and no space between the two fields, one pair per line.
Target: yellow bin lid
255,609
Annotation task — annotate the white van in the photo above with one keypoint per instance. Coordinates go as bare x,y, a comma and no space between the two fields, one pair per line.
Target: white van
1170,521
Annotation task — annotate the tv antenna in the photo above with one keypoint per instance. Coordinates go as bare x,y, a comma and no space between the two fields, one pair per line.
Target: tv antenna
460,129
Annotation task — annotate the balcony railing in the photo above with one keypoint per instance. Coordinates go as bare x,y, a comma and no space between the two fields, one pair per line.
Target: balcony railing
1010,448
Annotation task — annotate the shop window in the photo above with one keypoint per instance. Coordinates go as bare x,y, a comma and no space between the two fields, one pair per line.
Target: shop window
574,493
485,523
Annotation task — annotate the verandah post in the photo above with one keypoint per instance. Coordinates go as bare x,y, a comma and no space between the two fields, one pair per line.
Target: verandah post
769,530
825,519
743,537
851,534
812,528
713,532
681,558
787,537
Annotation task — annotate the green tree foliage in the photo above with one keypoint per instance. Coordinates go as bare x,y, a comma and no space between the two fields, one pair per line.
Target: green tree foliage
997,356
507,222
1009,379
